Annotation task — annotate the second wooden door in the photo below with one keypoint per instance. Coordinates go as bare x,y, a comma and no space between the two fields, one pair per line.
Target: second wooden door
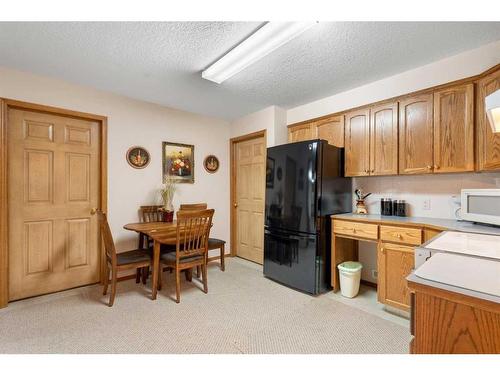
249,203
54,182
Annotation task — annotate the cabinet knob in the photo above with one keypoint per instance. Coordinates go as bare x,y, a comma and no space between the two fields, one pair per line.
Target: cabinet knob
436,167
429,167
235,205
400,236
353,230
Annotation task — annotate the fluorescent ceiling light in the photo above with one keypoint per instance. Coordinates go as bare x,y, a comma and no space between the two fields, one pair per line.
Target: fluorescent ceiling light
492,105
265,40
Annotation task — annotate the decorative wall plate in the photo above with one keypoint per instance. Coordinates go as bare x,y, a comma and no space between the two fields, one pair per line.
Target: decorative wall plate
138,157
211,164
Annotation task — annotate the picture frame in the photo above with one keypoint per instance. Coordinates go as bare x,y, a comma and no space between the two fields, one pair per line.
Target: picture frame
178,162
211,163
138,157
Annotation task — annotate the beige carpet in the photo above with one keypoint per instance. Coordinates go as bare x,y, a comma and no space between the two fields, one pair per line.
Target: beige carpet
242,313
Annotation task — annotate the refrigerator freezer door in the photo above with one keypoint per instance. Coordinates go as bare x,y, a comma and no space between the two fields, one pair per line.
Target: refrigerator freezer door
291,260
291,187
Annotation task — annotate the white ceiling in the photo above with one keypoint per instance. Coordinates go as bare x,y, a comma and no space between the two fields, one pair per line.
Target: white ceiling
162,62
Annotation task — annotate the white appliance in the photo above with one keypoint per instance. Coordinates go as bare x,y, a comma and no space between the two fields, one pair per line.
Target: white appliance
481,205
477,245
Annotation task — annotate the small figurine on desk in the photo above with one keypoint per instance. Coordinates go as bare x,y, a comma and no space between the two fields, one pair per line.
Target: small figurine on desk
360,202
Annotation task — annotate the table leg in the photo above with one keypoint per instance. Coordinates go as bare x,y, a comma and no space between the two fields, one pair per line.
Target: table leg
156,267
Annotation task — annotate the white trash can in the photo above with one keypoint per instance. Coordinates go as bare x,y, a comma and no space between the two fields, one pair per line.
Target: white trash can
350,277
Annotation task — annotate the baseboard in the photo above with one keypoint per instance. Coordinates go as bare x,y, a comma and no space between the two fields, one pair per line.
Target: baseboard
369,283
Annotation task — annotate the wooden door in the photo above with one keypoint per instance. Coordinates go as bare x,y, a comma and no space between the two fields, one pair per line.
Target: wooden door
384,139
53,183
331,130
250,198
416,135
357,143
298,133
488,142
454,129
395,263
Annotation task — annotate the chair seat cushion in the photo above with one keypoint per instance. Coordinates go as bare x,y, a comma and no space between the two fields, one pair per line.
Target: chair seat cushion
170,258
133,256
215,243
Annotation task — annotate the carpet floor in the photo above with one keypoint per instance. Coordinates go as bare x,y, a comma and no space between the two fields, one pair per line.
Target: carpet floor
243,312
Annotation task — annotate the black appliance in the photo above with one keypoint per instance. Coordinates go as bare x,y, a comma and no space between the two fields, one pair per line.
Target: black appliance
305,184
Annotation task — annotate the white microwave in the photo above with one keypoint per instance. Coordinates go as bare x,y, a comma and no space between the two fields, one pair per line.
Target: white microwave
481,205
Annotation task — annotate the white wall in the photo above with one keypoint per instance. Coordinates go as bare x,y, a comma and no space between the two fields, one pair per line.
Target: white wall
132,122
272,119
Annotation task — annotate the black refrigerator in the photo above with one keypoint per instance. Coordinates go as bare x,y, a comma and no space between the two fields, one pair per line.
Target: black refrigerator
305,184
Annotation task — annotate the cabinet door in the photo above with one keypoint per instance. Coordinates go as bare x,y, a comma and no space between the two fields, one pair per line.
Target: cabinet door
331,130
395,263
300,133
454,129
384,139
415,135
488,142
357,143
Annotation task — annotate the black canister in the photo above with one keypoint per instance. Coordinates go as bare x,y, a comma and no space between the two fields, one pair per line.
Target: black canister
399,208
386,206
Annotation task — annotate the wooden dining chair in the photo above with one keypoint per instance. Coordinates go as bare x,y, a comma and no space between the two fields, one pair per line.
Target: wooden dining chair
193,207
147,214
193,231
115,262
213,243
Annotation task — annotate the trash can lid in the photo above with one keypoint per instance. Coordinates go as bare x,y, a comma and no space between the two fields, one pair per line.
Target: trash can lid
350,266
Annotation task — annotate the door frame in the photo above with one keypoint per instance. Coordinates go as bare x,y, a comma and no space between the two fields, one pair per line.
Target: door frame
232,184
5,106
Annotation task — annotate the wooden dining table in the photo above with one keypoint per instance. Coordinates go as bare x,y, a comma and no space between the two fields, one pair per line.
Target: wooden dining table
162,233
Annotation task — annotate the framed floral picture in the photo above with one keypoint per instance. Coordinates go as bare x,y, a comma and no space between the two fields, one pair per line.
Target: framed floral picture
178,162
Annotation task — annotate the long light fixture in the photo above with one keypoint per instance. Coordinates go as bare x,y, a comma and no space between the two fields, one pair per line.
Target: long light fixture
265,40
492,105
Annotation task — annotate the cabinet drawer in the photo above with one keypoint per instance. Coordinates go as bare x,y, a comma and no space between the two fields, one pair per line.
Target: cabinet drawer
351,228
411,236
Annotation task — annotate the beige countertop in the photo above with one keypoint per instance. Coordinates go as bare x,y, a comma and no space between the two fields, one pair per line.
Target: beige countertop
440,224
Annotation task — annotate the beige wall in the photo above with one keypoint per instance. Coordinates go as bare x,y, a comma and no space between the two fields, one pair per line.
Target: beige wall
132,122
272,119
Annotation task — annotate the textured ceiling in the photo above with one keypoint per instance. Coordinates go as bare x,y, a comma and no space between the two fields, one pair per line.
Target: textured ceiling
162,62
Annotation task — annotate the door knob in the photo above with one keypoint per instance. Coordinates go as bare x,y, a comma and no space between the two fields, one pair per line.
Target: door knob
93,211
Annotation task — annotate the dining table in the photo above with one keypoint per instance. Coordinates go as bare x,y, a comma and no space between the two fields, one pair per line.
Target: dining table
162,233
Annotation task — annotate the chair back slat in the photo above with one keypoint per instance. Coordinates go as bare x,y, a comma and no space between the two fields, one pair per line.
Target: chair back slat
193,207
149,214
107,237
193,231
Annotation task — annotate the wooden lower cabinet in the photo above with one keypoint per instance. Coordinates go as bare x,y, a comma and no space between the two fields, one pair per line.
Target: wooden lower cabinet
395,263
445,322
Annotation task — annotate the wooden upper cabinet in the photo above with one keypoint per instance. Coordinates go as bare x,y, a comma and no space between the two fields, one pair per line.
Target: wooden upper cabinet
357,143
300,133
488,142
384,139
454,129
416,135
331,130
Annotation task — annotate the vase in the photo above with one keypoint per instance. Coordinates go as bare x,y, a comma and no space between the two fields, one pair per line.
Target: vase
168,216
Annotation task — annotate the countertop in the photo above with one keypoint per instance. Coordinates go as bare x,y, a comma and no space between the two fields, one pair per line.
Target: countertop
451,272
440,224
